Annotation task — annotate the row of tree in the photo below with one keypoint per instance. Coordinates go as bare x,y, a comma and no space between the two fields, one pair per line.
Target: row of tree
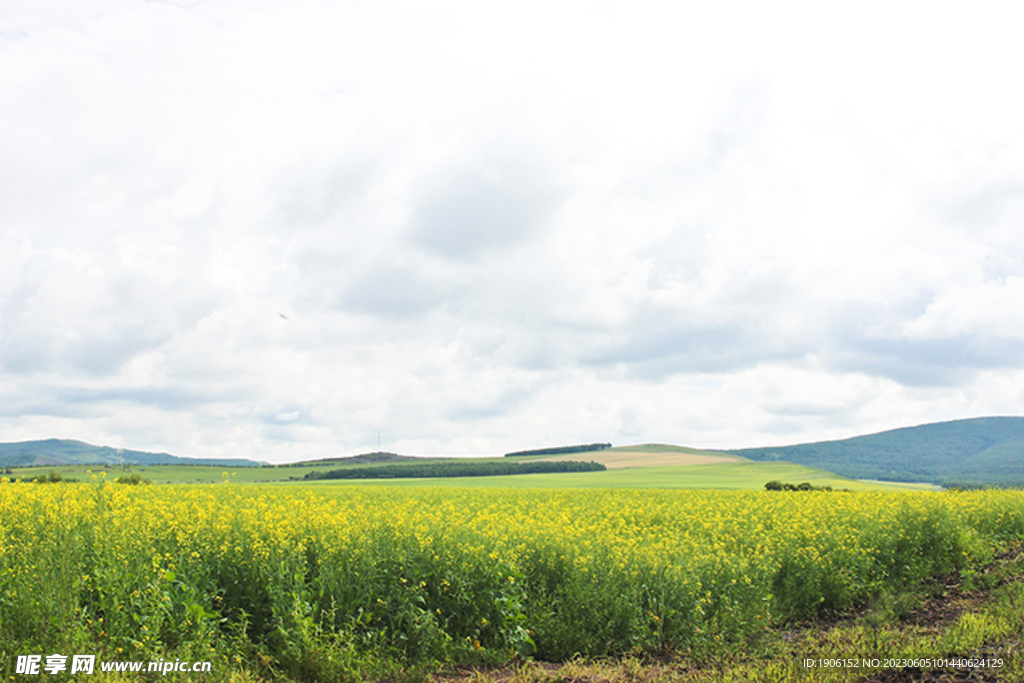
802,486
561,450
460,468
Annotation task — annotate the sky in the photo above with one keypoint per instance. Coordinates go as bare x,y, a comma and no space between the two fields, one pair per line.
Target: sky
275,230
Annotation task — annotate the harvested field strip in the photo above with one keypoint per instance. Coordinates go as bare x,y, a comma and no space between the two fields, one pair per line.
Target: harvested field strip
615,459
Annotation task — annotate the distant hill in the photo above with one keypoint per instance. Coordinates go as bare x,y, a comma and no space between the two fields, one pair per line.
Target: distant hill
978,451
377,458
975,452
58,452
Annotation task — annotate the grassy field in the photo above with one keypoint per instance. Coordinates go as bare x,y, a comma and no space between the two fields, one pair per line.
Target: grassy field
726,475
644,466
353,583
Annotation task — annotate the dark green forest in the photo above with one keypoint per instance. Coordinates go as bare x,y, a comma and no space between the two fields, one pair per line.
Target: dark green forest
967,453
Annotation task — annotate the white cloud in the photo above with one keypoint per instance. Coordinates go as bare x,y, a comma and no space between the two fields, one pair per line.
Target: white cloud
489,228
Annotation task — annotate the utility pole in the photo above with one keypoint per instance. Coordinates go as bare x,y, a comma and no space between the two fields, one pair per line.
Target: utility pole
378,441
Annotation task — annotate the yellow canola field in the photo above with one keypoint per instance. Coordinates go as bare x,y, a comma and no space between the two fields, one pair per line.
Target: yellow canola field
194,569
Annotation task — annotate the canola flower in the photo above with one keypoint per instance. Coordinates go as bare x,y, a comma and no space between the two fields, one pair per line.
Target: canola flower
447,574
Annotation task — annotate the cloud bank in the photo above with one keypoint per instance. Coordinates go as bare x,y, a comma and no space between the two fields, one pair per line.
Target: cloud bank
270,230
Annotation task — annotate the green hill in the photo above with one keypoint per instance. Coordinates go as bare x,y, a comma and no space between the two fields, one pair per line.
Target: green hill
376,458
974,452
58,452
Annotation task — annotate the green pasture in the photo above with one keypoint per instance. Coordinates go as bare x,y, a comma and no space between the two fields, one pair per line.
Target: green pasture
166,474
731,476
744,474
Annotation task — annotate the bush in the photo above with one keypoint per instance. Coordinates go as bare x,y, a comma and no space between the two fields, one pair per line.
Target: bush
134,479
802,486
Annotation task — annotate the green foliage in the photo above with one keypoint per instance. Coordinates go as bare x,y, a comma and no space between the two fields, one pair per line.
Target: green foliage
802,486
133,479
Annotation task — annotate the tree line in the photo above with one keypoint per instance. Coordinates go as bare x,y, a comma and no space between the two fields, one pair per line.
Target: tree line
455,469
561,450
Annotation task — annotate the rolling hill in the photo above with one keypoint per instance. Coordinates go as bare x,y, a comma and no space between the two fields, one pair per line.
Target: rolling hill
972,452
56,452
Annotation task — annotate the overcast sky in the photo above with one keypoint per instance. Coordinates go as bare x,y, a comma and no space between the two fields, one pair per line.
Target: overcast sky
271,229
